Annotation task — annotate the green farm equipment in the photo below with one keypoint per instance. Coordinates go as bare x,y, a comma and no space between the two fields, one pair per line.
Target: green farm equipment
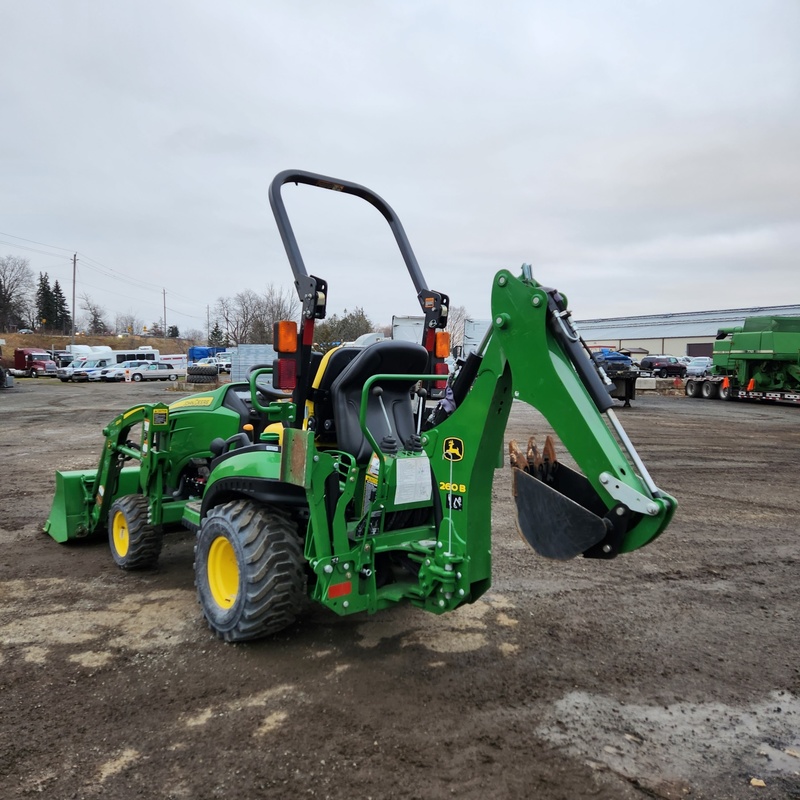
758,360
331,477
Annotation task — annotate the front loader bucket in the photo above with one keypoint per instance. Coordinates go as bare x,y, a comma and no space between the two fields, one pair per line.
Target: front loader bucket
559,518
73,514
71,509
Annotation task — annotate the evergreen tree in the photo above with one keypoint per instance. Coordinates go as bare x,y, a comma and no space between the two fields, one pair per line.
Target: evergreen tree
62,319
45,304
173,332
216,338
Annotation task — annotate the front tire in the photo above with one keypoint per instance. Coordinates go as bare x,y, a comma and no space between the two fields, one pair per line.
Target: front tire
725,392
134,542
136,376
248,570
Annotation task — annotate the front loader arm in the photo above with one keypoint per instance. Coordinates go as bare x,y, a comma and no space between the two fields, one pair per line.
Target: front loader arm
611,505
83,497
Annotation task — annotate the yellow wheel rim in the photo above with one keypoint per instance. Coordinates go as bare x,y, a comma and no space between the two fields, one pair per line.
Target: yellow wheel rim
223,572
119,529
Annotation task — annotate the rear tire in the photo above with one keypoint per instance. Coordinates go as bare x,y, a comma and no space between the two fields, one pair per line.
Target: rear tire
725,393
249,570
173,377
134,542
661,373
710,390
691,389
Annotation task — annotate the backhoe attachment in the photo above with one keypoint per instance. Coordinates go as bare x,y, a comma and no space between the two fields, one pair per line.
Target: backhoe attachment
609,504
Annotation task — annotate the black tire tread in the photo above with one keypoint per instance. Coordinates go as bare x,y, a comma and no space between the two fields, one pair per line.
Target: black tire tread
274,577
144,540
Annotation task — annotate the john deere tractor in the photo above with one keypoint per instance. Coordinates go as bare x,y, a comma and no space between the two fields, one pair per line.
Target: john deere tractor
336,477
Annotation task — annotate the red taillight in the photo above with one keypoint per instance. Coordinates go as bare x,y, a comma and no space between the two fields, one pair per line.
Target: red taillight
340,589
440,369
284,373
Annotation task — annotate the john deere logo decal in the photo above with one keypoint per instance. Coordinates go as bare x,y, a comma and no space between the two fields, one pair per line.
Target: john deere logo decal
453,449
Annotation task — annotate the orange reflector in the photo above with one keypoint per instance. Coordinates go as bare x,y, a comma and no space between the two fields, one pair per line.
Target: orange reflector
751,385
725,382
442,347
284,373
340,589
284,337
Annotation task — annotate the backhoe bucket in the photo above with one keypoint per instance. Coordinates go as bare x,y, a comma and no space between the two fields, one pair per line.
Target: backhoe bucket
71,513
559,518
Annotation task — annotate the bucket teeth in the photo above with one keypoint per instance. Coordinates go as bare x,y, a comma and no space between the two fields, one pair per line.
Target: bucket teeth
539,463
533,456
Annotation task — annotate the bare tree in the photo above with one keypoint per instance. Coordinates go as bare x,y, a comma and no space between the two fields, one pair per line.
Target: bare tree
16,289
127,323
455,324
194,335
247,318
95,316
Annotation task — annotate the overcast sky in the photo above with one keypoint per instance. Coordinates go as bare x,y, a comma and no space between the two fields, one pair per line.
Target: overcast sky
643,156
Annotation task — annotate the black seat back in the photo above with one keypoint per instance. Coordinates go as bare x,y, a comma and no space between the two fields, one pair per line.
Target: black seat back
387,357
323,424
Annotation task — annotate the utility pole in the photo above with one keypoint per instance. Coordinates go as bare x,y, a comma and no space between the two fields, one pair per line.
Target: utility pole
165,312
74,271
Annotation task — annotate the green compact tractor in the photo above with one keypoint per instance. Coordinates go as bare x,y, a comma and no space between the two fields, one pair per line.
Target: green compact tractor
337,478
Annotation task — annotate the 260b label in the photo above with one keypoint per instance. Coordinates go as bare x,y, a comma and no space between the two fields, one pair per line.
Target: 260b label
445,486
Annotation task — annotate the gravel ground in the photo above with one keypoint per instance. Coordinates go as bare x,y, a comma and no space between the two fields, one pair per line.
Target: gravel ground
670,672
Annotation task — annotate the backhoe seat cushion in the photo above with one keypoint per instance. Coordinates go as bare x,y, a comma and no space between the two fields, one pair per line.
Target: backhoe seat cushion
390,357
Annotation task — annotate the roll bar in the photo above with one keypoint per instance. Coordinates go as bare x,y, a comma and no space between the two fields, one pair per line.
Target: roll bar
309,288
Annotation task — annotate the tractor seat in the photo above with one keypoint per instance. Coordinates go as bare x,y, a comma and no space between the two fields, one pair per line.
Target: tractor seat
386,357
234,401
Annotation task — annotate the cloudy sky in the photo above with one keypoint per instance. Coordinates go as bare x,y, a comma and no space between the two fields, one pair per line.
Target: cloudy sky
644,156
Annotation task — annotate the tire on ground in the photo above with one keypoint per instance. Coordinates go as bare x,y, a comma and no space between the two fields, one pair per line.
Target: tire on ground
710,390
134,542
692,388
249,570
201,374
725,392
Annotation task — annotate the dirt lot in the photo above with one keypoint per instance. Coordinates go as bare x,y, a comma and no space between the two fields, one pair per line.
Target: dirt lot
671,672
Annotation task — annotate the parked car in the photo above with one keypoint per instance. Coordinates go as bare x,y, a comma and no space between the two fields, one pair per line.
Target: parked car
699,366
86,371
613,362
224,362
220,363
685,359
663,366
157,371
117,372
